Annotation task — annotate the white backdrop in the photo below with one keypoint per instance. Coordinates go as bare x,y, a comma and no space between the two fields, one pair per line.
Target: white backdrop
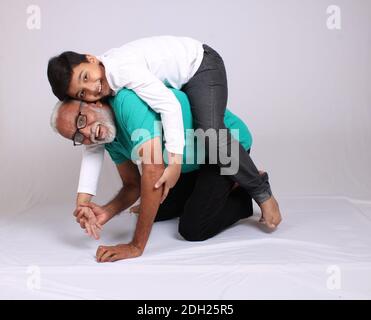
304,90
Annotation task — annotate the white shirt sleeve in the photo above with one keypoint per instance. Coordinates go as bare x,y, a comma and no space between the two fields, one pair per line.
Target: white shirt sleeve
91,166
150,89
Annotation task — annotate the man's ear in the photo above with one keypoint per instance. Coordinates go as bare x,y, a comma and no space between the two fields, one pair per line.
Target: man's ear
91,58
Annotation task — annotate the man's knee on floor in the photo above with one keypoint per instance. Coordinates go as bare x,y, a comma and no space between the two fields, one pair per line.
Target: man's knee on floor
191,233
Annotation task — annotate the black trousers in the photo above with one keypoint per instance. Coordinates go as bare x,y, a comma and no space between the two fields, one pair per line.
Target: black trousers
207,92
205,203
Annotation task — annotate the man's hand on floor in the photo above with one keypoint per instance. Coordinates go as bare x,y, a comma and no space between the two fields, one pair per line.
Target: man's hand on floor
119,252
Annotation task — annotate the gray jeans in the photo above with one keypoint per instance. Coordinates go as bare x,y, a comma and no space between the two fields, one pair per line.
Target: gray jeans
207,92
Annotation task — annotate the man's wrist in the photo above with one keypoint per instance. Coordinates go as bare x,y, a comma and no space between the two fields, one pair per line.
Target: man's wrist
138,246
110,210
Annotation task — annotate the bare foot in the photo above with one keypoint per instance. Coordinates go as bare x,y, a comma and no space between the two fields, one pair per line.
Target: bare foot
271,216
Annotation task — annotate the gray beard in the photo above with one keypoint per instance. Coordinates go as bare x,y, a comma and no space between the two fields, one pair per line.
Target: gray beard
105,119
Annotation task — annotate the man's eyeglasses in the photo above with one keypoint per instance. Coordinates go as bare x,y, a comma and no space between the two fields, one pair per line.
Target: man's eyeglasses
81,122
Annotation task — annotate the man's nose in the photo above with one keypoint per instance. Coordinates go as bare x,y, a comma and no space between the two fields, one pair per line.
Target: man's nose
85,132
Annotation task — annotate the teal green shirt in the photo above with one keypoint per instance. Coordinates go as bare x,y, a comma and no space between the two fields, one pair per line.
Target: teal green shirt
137,123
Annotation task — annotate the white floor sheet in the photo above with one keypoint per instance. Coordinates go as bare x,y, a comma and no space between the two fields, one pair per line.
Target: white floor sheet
322,250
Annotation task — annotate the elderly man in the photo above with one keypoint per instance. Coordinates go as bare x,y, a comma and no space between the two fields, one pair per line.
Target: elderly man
205,201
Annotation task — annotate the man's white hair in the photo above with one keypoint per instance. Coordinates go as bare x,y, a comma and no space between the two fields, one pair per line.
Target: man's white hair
54,115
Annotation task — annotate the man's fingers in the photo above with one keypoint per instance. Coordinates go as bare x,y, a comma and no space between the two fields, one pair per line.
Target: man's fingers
100,251
117,256
113,258
106,255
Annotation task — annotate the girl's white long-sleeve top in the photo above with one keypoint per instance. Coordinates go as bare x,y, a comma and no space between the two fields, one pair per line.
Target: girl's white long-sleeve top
147,66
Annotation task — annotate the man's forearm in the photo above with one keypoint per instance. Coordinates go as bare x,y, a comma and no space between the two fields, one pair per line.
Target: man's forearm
150,202
123,200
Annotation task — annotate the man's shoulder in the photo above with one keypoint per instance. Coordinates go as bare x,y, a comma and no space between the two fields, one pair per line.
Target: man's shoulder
123,102
126,101
122,96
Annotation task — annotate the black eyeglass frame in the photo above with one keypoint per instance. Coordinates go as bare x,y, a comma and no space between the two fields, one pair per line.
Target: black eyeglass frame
78,137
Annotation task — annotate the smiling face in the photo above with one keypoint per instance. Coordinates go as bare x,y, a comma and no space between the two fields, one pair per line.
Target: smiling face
88,81
95,120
